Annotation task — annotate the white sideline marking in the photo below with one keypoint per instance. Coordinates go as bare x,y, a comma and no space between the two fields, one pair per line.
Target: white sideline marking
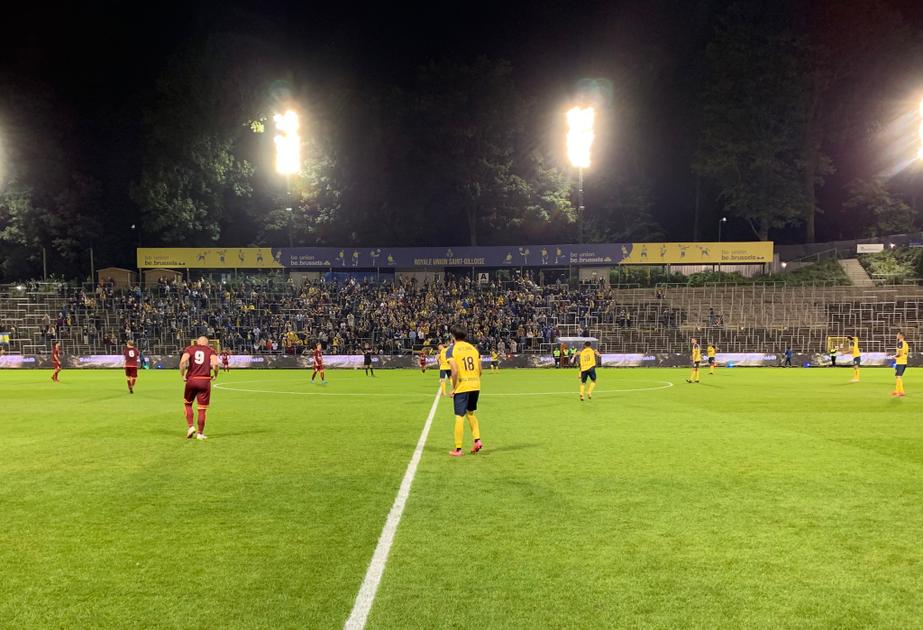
366,595
662,385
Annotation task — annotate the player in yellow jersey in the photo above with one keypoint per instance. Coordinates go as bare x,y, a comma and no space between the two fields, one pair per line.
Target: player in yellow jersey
588,358
900,365
711,350
465,363
445,370
494,360
696,359
856,357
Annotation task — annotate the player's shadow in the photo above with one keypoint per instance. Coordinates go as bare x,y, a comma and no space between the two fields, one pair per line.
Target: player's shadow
505,448
182,434
488,449
239,433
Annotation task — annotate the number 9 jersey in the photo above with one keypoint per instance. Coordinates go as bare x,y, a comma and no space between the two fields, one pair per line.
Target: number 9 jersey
468,363
200,361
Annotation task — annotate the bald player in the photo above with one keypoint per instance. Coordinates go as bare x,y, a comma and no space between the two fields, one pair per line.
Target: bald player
198,367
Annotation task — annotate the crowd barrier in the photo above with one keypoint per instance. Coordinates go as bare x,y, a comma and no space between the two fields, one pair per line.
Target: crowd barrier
255,361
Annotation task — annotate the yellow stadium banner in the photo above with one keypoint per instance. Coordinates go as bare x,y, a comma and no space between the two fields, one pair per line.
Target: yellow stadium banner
698,253
489,256
207,258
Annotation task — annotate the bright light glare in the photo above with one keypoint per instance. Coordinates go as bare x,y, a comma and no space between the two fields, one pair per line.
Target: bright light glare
580,135
288,143
920,151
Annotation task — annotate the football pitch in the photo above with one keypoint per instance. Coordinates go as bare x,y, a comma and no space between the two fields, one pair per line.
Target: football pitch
758,498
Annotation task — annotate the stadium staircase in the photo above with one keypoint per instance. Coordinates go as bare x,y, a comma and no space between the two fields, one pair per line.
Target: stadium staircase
856,273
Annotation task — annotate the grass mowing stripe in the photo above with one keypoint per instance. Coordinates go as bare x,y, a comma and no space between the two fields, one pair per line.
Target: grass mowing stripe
366,596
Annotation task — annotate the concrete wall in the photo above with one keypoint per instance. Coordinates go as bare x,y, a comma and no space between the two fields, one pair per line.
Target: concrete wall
595,274
300,277
122,278
421,276
153,276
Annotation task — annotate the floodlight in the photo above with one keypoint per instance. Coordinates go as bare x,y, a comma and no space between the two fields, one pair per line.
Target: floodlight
580,135
288,143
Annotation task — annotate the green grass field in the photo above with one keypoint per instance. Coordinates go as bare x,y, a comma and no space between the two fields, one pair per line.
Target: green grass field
759,498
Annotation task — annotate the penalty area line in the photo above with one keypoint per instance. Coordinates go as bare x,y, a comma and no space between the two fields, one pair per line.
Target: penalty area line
366,595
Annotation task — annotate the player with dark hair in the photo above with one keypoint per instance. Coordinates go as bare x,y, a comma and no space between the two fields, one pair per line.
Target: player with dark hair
225,360
588,358
318,364
856,358
696,358
198,366
422,360
56,361
711,351
131,365
367,360
445,370
900,365
465,363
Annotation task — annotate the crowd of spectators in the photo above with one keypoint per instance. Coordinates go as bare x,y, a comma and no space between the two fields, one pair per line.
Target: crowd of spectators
274,315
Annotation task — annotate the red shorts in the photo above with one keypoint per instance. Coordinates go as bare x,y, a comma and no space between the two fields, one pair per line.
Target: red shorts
198,389
131,372
224,364
318,367
56,366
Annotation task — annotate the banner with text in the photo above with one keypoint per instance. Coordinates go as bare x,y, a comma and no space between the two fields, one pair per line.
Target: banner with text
321,258
699,253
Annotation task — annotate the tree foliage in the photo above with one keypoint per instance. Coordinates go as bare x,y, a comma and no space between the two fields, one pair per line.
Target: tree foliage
626,216
884,212
752,123
196,176
477,147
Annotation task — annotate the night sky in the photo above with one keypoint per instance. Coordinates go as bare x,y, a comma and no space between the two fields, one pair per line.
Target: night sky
100,60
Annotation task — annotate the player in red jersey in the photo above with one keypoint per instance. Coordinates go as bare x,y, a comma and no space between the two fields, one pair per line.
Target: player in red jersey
131,365
226,360
56,361
318,364
198,366
422,360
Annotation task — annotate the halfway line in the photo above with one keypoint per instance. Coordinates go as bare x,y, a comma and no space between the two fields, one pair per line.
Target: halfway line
366,595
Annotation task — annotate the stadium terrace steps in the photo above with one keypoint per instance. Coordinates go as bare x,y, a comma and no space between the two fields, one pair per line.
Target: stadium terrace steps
856,273
755,318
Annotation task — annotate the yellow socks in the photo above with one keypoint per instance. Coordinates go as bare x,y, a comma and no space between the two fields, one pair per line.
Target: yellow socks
590,390
899,385
582,388
459,431
442,386
475,428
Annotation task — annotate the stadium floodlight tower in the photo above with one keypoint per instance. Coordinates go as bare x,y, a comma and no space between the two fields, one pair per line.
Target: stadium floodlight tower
288,155
579,142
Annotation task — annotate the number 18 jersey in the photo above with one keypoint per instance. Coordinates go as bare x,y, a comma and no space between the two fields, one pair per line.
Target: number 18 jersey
200,361
468,361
